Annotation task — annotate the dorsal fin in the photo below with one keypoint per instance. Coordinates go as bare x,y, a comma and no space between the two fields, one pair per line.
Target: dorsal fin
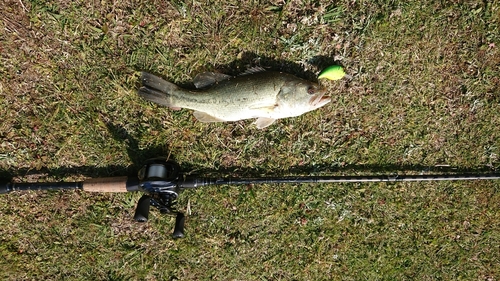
206,79
253,70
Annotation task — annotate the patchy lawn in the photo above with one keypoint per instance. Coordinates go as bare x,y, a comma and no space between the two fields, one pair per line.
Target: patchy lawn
423,97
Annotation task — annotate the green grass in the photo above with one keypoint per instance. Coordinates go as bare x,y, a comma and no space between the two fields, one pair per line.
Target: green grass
424,97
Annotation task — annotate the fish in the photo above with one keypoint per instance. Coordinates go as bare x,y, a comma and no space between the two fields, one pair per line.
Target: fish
256,93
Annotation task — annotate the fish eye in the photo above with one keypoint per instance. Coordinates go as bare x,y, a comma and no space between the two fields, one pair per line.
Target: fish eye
311,90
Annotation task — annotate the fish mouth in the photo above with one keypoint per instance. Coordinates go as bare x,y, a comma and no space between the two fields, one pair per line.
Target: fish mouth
319,100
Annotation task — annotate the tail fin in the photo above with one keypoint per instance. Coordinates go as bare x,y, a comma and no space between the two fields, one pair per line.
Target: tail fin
157,90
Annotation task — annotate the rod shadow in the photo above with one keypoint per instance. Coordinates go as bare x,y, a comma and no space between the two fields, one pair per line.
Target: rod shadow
139,157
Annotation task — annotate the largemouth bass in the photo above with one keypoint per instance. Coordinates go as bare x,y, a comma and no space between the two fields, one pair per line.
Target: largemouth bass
265,95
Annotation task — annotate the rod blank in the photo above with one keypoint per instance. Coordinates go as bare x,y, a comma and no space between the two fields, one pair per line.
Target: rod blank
191,182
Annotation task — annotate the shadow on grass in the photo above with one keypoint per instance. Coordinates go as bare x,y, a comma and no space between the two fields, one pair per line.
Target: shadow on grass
348,170
139,157
249,60
245,61
305,170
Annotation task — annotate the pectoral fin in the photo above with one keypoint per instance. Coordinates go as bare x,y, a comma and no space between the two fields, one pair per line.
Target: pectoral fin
263,122
205,117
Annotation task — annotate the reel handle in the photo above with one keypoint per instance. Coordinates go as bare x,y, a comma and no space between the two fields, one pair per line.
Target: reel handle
180,219
142,214
142,210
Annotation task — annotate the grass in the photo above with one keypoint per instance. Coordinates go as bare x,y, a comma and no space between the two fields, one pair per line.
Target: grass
424,97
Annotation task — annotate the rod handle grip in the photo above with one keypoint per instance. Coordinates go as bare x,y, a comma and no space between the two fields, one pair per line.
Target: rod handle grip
113,184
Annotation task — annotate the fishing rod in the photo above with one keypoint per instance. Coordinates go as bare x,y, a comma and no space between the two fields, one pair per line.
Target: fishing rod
162,181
